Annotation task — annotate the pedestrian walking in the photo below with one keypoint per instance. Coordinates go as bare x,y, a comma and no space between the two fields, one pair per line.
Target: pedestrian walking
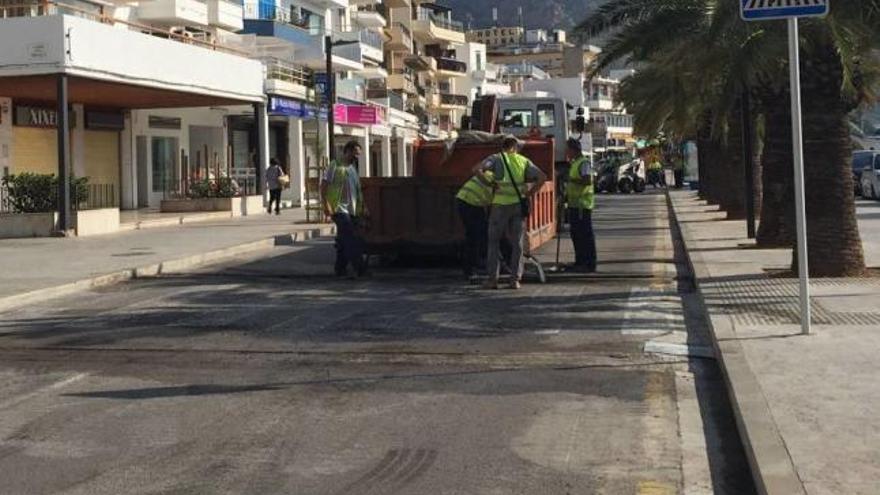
512,173
473,201
276,180
581,199
343,202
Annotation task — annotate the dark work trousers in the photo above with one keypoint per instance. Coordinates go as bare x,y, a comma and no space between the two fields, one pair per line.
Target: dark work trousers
582,237
679,178
476,231
349,245
275,197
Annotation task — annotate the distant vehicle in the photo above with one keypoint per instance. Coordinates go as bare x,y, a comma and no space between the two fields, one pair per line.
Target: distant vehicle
869,174
861,160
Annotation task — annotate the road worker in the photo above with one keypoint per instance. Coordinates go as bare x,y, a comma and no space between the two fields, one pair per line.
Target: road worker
473,201
581,199
511,175
344,203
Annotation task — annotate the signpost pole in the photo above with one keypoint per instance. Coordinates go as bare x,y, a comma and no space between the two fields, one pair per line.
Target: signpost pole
797,139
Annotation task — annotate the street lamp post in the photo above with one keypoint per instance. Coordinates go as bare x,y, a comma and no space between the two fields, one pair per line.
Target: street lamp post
330,91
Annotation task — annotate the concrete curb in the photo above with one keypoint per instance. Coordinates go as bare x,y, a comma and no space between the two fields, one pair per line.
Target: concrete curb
162,268
772,467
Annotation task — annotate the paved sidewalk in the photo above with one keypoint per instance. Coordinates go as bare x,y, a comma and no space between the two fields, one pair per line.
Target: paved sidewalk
806,405
45,267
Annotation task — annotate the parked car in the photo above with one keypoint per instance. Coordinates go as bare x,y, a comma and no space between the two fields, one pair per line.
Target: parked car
869,175
861,160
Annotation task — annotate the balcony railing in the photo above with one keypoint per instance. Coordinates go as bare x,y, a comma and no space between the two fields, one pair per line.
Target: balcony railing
371,38
451,99
270,12
96,13
452,65
439,21
286,71
388,98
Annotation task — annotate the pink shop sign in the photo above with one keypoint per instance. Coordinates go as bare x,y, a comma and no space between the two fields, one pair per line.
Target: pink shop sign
356,114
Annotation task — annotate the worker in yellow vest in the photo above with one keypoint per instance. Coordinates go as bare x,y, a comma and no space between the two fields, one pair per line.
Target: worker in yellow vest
344,203
581,200
473,201
511,175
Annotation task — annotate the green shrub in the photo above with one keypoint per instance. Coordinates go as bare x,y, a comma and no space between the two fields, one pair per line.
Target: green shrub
223,187
38,193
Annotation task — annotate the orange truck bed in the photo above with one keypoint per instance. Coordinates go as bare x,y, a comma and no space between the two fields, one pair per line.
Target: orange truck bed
418,214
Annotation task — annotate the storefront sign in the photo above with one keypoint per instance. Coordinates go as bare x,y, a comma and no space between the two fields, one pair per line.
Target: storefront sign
105,121
356,114
286,107
35,117
159,122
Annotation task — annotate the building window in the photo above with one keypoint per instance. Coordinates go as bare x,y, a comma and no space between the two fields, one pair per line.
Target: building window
546,115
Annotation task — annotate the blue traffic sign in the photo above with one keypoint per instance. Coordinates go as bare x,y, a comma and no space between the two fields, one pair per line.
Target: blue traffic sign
762,10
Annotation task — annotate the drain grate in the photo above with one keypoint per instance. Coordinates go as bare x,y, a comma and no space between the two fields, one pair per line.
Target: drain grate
775,302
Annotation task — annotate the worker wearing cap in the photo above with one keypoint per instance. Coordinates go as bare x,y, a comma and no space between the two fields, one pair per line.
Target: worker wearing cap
473,201
581,199
506,215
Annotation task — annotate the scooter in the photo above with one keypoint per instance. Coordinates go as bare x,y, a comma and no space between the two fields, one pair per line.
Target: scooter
630,179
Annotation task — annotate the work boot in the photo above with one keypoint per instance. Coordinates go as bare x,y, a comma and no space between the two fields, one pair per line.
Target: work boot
514,284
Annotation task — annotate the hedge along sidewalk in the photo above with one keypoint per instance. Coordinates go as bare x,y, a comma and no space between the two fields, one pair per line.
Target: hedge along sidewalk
40,268
805,405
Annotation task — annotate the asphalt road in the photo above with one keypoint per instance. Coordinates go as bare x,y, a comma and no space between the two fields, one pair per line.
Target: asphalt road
268,376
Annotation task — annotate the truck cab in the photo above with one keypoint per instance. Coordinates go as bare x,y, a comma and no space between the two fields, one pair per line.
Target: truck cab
540,116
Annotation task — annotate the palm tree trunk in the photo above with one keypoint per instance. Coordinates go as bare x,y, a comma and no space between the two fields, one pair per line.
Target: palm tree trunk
776,227
833,241
734,194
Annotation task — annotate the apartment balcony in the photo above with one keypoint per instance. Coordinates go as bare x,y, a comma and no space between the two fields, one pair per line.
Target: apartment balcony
421,63
43,39
401,38
451,67
387,98
401,82
369,19
371,43
450,101
288,79
429,27
174,12
269,21
600,102
226,14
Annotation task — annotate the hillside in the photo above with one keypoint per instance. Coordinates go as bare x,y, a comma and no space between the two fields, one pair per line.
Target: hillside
547,14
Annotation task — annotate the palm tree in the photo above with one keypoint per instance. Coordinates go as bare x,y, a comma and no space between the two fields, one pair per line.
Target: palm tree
734,57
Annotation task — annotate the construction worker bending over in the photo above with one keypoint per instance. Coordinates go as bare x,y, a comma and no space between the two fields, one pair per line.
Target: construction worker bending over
581,199
343,202
473,201
511,173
